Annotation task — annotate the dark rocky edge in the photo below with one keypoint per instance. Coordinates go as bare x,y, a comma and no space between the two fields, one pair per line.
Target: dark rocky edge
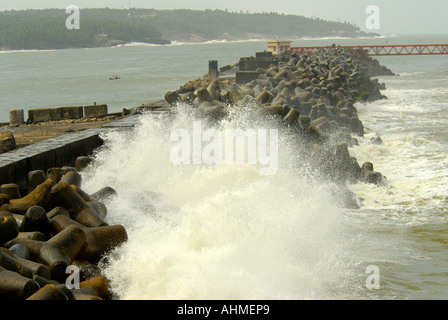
53,237
312,96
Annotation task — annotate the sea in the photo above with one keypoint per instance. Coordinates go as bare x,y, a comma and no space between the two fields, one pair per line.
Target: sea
225,232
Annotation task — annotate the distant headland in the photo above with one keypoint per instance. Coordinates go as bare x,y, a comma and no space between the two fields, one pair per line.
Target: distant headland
46,29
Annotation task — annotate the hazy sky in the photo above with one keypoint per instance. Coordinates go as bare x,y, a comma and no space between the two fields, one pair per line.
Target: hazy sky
396,16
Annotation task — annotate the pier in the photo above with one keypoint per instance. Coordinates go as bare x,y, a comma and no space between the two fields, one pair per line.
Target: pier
278,47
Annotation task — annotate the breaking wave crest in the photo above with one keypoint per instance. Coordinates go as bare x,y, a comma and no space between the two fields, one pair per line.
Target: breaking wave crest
219,231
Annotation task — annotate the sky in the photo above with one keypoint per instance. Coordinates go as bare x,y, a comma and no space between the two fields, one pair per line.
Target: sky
395,16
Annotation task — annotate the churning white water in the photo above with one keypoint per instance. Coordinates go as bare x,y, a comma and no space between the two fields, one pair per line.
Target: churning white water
227,232
219,231
405,222
414,153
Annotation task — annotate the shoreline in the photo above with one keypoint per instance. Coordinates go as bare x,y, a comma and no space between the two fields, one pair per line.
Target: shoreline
180,43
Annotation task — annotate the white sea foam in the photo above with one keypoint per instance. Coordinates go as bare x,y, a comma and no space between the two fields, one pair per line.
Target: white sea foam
414,155
227,41
219,232
24,51
175,43
339,38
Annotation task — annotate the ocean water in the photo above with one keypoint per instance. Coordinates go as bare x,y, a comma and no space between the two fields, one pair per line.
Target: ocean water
79,77
410,213
227,232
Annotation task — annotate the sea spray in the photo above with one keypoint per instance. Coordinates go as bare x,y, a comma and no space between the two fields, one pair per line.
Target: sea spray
220,231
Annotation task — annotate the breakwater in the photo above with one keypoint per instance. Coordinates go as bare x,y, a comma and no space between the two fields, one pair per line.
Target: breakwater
292,118
311,95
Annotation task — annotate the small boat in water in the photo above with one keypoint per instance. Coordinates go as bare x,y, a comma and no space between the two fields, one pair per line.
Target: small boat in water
114,78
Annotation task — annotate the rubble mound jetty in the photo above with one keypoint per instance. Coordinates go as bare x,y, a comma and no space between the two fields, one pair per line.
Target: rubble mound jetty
314,96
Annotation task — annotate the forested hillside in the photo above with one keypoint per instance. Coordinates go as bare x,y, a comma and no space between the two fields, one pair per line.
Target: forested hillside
46,29
183,25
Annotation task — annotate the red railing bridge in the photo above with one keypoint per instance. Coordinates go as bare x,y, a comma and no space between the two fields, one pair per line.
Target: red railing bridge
381,50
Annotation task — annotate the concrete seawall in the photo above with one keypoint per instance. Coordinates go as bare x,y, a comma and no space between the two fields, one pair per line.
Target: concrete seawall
17,117
56,152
